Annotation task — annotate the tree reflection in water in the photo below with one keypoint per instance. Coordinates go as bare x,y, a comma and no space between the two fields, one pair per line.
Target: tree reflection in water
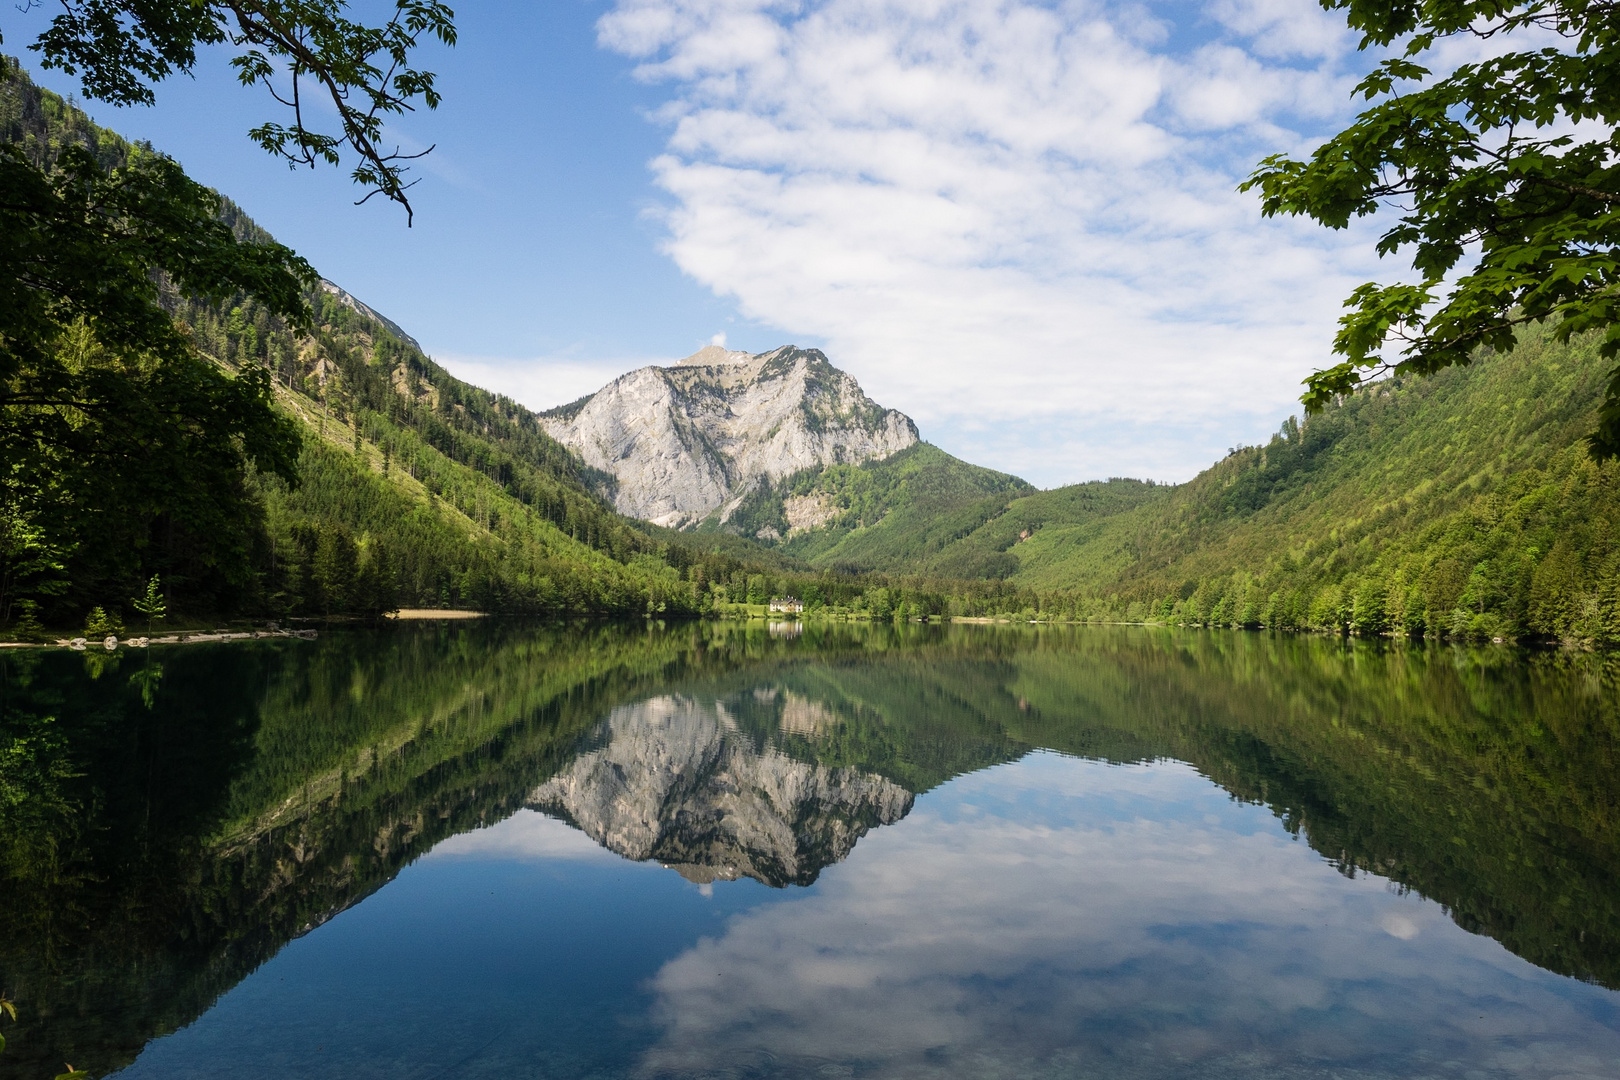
162,838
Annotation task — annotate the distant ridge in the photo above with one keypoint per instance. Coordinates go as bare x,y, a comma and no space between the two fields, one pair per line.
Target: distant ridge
349,301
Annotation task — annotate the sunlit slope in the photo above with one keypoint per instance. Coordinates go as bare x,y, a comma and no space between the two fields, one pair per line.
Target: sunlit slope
894,515
922,511
474,502
1452,491
417,487
997,546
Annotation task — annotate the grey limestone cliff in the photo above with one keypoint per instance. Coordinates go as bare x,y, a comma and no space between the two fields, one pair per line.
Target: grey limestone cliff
692,440
676,782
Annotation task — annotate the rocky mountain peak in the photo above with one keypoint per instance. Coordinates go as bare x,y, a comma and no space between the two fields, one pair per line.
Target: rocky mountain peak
710,355
693,440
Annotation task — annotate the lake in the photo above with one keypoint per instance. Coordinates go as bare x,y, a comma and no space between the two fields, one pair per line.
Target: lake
723,850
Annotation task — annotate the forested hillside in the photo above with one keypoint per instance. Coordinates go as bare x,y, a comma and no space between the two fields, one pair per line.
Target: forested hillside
411,488
460,492
923,511
1465,504
1462,504
892,515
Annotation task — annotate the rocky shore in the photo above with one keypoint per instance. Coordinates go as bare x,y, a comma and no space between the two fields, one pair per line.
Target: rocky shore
112,642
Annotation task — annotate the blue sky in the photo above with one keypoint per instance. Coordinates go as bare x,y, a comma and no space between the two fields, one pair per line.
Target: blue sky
1014,221
529,237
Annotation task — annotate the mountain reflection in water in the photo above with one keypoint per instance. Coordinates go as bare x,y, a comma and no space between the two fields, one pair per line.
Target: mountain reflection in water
1014,851
677,782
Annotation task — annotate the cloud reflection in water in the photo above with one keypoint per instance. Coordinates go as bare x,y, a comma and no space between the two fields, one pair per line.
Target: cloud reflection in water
1065,917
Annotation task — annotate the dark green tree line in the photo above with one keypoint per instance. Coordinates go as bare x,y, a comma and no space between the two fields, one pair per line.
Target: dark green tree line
121,449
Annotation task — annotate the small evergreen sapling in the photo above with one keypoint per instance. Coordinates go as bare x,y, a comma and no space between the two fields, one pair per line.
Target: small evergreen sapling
99,624
151,605
27,627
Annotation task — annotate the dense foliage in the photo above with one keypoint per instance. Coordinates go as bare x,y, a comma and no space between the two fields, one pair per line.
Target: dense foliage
1464,505
458,491
895,514
966,532
300,51
1512,156
122,450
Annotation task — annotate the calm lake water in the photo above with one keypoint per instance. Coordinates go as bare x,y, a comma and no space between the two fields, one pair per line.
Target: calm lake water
500,850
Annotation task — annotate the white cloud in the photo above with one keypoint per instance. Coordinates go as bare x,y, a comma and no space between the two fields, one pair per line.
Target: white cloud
1284,29
543,382
1010,216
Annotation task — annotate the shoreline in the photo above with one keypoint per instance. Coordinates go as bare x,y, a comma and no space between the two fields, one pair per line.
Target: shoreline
413,614
112,643
81,644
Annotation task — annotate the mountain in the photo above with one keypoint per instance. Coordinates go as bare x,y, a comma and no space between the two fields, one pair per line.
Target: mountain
338,293
1464,504
688,443
783,448
416,488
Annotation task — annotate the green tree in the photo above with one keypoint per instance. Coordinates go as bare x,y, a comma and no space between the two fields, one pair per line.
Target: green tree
337,566
111,424
1481,158
879,602
151,604
29,563
758,589
100,624
84,245
1369,606
300,51
376,591
113,430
